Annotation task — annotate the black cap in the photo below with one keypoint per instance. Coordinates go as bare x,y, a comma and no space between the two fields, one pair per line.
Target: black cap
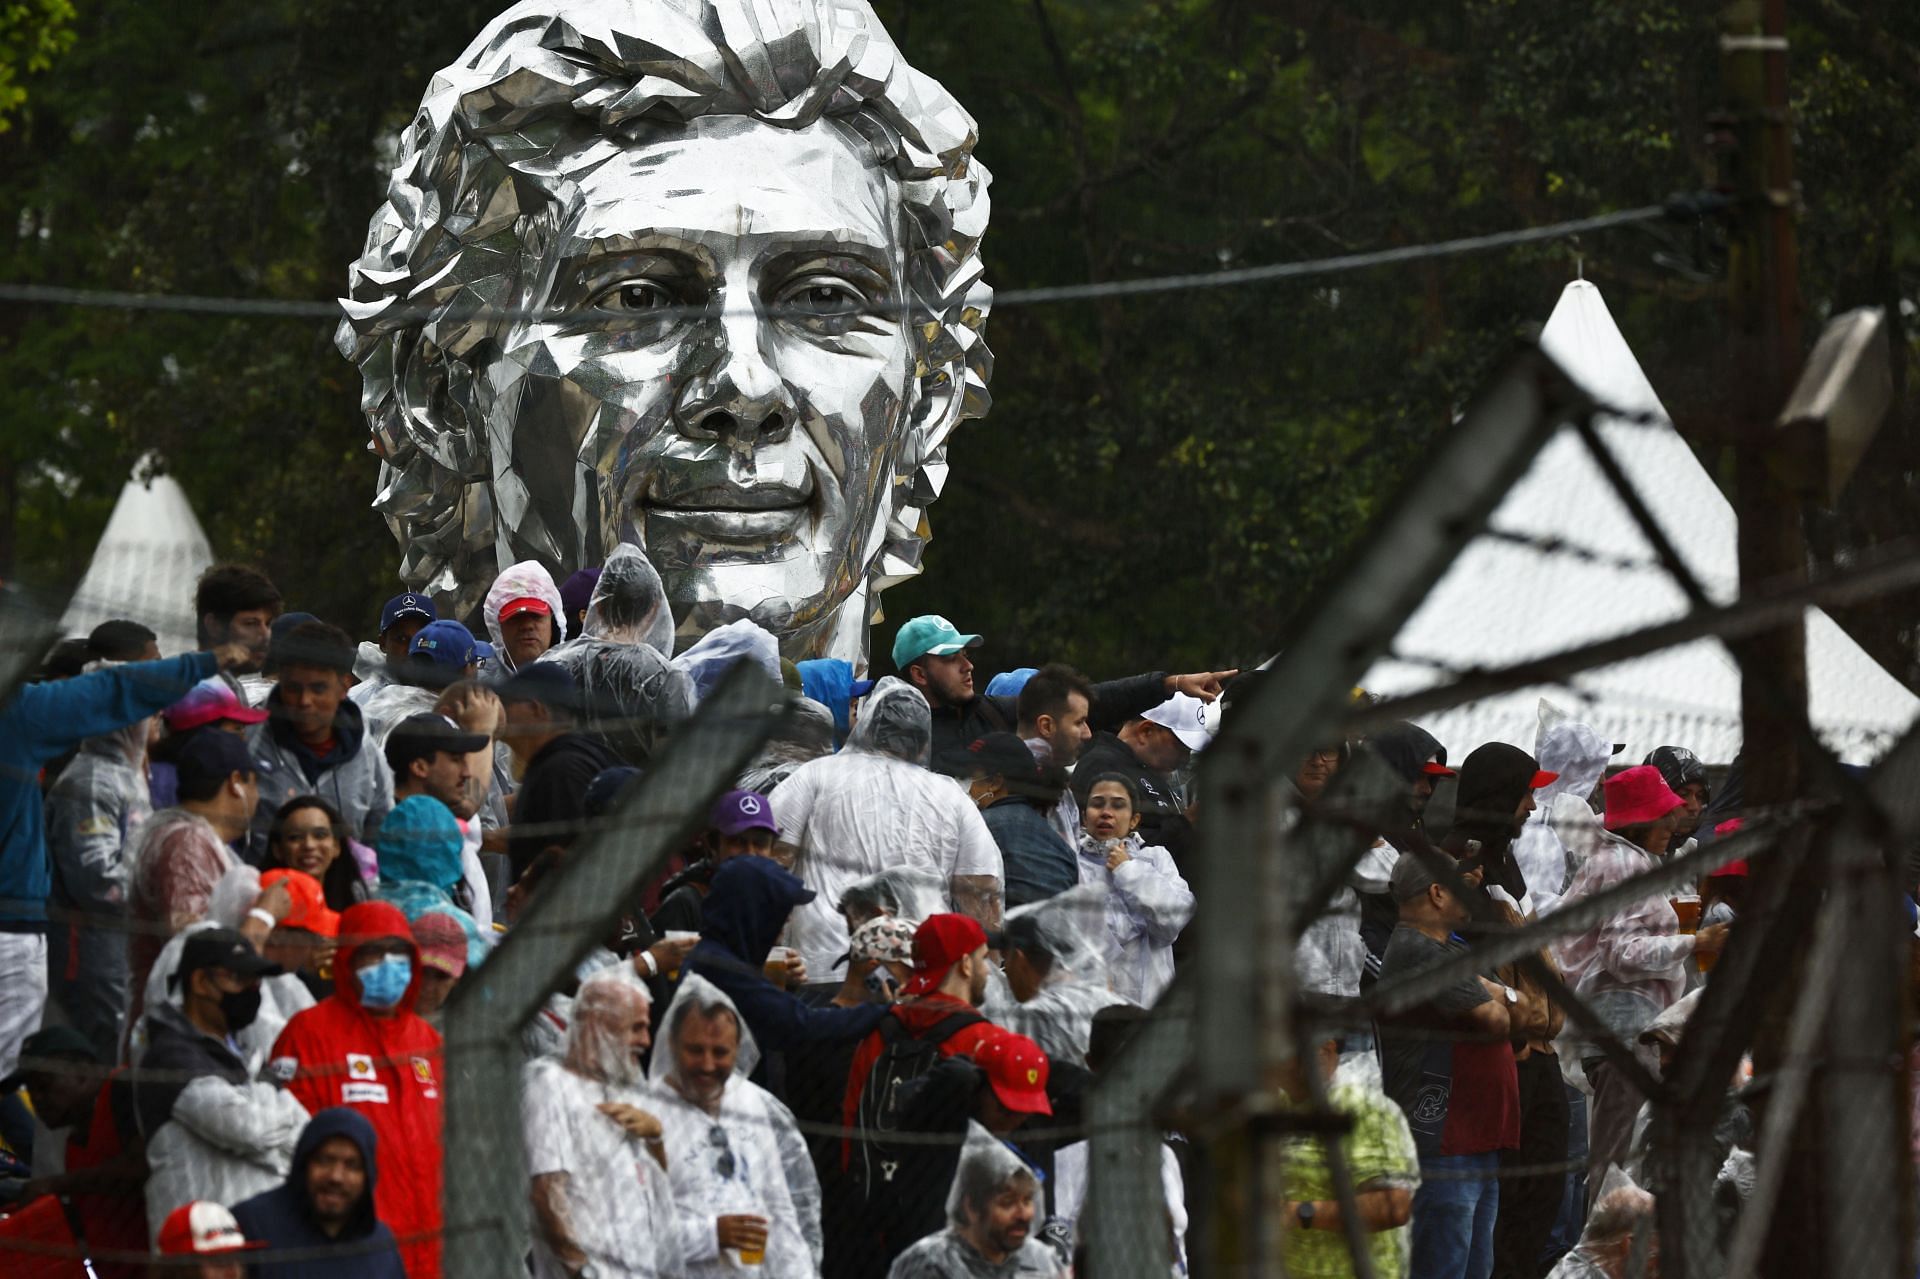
221,948
548,683
213,755
1678,767
427,734
49,1042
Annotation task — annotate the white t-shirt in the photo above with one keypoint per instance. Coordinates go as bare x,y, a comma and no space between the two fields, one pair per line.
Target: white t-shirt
857,813
619,1201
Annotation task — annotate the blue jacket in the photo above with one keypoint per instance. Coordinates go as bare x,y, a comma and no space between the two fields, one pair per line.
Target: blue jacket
1039,864
43,722
282,1217
745,910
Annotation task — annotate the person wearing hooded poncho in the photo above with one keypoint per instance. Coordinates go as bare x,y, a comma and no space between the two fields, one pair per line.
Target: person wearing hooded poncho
1056,967
523,590
324,1211
631,694
1562,832
874,806
994,1216
742,1179
596,1153
421,866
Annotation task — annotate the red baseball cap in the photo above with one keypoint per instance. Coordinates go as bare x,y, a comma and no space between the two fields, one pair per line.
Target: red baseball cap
1542,778
202,1227
1017,1069
309,902
525,604
1433,768
442,943
939,944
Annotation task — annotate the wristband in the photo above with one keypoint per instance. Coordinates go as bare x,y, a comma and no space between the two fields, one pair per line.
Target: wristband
653,969
265,917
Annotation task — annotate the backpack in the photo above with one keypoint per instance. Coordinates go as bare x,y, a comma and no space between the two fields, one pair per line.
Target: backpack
904,1060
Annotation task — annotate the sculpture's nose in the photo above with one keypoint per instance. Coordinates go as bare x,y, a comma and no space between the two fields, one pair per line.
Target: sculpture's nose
740,399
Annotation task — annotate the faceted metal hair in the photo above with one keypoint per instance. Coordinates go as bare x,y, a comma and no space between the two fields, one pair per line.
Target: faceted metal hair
474,195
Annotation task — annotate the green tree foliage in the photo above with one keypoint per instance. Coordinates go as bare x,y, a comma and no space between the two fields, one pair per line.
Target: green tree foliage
32,34
1162,479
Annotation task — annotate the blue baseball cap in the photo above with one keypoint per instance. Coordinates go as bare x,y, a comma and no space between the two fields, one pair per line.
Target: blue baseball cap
444,644
213,755
929,635
408,605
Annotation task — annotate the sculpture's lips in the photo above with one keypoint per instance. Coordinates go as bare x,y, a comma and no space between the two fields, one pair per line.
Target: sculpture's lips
732,513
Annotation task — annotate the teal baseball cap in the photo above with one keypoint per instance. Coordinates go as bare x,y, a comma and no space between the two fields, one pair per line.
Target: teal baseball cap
929,635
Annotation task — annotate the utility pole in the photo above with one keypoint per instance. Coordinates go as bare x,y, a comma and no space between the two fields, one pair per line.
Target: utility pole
1765,338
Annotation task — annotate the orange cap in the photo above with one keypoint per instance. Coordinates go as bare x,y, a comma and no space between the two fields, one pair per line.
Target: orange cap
309,902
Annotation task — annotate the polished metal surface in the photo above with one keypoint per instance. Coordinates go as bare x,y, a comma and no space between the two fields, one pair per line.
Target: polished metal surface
702,276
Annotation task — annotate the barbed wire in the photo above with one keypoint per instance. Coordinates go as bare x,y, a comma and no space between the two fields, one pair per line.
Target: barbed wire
1680,207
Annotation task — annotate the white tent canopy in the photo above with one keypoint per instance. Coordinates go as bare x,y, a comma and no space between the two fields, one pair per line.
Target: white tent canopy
146,565
1501,603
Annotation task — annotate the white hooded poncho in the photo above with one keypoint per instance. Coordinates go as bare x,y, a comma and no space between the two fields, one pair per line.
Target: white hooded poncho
747,1158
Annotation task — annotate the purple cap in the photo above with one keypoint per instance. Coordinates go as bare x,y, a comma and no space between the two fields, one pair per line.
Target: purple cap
577,591
738,811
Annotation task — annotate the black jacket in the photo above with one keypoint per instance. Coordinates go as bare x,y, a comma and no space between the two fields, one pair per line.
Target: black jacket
1162,821
283,1217
745,910
178,1052
1114,703
552,799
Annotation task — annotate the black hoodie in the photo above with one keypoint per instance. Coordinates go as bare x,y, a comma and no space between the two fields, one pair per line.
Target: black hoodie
743,914
283,1217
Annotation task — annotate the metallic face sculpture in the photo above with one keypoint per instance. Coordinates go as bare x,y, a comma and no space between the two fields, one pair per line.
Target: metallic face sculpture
698,275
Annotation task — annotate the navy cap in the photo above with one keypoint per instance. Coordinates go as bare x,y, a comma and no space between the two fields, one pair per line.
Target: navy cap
446,644
221,948
408,605
213,755
548,683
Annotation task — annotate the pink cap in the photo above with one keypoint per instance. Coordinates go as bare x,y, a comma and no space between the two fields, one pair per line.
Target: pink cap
208,702
1636,796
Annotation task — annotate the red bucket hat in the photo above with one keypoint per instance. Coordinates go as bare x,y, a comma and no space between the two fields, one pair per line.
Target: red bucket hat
938,944
1639,795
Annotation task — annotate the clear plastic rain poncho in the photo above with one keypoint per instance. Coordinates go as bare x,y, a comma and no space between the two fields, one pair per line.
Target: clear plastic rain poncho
1059,1017
745,1157
616,1202
633,696
528,579
1619,1232
875,807
711,656
1147,906
894,719
906,892
807,735
987,1168
1563,831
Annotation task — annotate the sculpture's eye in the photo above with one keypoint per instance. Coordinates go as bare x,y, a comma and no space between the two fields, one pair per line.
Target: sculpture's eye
636,295
824,298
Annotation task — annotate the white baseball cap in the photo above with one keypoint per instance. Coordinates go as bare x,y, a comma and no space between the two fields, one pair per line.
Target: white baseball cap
1180,715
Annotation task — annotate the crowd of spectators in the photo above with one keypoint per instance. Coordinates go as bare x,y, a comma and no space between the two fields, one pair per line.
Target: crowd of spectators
850,1032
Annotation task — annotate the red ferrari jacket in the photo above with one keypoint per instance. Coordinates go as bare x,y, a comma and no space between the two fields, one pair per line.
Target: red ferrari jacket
338,1053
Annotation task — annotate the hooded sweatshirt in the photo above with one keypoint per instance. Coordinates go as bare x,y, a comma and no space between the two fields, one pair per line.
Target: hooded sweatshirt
387,1068
744,912
283,1217
353,776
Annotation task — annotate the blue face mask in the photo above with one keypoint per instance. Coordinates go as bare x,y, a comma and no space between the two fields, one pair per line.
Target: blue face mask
382,985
